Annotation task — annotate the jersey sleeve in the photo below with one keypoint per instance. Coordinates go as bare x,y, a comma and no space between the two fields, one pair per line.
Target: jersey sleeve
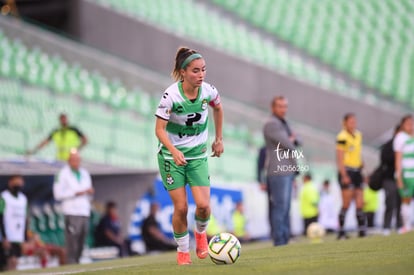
340,141
77,131
50,137
165,107
215,97
398,143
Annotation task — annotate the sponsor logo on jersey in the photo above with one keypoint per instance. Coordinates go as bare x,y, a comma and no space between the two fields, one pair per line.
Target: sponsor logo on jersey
179,109
204,104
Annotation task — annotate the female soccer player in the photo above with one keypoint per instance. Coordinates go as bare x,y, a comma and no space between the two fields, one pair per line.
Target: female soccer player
404,168
181,128
349,163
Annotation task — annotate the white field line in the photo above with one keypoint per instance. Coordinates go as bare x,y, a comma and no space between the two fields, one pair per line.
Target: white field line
81,270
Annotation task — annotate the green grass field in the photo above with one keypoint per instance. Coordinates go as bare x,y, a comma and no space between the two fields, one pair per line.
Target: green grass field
372,255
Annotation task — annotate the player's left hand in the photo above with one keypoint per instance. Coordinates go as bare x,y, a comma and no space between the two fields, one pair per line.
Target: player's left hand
218,148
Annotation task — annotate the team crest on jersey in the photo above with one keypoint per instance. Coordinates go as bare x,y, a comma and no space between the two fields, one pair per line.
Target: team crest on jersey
169,179
179,109
204,104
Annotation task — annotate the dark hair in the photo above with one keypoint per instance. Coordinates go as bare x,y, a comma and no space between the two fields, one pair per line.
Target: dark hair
308,176
181,56
397,129
110,205
277,98
404,119
326,182
348,116
15,176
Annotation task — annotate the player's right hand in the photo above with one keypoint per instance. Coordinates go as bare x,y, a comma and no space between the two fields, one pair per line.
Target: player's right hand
178,157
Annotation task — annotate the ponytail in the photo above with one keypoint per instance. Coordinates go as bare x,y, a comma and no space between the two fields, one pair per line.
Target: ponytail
183,57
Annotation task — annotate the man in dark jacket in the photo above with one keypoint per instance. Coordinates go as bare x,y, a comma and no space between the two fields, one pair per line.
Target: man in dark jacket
281,156
392,196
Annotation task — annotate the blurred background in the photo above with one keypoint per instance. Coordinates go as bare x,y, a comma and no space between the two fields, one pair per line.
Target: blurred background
106,63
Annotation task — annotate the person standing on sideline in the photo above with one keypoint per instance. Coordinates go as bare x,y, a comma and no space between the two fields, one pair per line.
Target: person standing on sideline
328,217
182,130
261,179
309,199
73,187
404,168
392,196
65,138
349,163
280,140
13,220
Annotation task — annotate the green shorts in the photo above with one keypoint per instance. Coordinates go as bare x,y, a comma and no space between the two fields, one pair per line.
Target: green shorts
195,173
408,190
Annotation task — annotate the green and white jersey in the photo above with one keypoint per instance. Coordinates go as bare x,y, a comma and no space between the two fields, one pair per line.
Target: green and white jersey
187,126
404,143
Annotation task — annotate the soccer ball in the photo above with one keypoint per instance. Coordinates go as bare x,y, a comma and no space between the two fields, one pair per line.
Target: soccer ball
315,231
224,248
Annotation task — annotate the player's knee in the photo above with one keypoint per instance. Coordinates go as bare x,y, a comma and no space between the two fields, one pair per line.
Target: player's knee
181,210
203,208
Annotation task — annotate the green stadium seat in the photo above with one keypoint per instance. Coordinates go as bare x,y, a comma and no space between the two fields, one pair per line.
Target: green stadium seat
22,116
215,30
36,87
371,41
16,140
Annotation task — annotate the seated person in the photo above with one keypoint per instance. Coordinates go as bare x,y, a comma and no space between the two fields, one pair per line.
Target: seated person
35,246
154,238
240,223
108,231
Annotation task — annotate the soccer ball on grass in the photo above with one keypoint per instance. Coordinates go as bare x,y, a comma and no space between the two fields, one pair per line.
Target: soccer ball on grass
224,248
315,231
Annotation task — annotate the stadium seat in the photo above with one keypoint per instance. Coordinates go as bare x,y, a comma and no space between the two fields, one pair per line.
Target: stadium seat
37,87
16,139
371,41
214,30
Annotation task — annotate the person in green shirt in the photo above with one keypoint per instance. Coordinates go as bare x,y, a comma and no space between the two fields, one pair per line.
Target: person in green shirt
309,199
66,137
214,227
239,223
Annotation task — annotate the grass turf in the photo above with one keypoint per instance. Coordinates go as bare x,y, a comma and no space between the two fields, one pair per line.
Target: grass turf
372,255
